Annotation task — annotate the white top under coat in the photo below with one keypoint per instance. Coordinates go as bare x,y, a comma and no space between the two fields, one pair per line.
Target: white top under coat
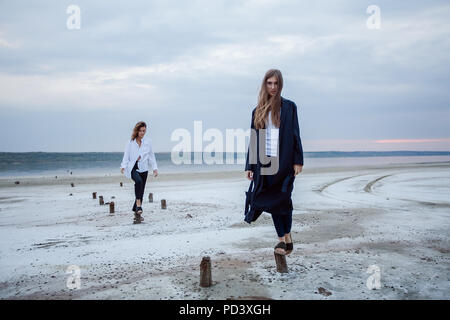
272,134
132,153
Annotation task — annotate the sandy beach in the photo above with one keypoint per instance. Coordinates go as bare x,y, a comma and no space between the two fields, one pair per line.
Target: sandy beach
346,219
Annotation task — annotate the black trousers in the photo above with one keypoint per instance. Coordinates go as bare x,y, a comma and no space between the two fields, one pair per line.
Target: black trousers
282,223
139,178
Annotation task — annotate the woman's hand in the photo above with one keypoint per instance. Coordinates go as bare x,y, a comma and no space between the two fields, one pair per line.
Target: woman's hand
297,169
155,173
122,170
249,174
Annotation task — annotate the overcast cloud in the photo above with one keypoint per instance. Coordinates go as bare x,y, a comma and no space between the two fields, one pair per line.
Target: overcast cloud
172,62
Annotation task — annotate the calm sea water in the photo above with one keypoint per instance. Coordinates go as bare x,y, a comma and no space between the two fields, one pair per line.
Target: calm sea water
108,163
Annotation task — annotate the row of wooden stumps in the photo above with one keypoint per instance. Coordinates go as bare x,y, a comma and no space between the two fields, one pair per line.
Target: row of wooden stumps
102,202
111,204
206,276
163,201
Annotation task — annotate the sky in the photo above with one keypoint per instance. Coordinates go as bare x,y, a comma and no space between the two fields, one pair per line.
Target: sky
170,63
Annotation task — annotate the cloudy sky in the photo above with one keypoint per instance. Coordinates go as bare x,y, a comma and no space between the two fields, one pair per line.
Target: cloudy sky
172,62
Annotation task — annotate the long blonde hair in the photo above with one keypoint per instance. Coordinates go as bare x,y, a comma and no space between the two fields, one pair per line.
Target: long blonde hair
136,129
267,103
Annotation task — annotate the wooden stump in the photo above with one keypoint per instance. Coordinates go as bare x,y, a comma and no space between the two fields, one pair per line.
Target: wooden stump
100,200
205,272
121,184
280,261
94,195
150,197
72,185
163,204
111,207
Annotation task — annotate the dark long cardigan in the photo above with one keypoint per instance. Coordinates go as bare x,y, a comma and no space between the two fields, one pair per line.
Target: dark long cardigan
272,193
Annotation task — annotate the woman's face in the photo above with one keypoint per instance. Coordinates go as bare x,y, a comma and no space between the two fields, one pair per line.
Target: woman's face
141,132
272,85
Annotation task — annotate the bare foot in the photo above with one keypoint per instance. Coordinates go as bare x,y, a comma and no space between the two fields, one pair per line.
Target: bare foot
289,244
288,238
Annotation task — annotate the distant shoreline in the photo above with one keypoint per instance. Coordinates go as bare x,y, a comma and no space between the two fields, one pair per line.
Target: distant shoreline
355,153
193,175
28,165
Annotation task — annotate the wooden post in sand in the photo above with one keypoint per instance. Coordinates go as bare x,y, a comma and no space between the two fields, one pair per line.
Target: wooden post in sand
280,260
150,197
163,204
100,200
111,207
94,195
205,272
121,184
72,185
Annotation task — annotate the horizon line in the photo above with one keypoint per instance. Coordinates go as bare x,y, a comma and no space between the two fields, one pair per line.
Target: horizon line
347,151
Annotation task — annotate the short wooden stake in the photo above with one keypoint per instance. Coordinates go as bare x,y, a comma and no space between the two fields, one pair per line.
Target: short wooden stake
150,197
121,184
72,185
111,207
280,261
100,200
94,195
163,204
205,272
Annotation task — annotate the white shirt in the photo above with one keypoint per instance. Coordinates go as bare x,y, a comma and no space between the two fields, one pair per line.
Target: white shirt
272,134
132,153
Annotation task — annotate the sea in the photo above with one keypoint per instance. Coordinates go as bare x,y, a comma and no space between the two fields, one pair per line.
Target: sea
14,164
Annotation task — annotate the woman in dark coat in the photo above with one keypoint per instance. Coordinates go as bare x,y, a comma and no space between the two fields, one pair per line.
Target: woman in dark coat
274,158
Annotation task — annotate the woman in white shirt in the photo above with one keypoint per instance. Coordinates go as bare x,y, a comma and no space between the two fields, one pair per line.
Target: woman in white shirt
137,157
